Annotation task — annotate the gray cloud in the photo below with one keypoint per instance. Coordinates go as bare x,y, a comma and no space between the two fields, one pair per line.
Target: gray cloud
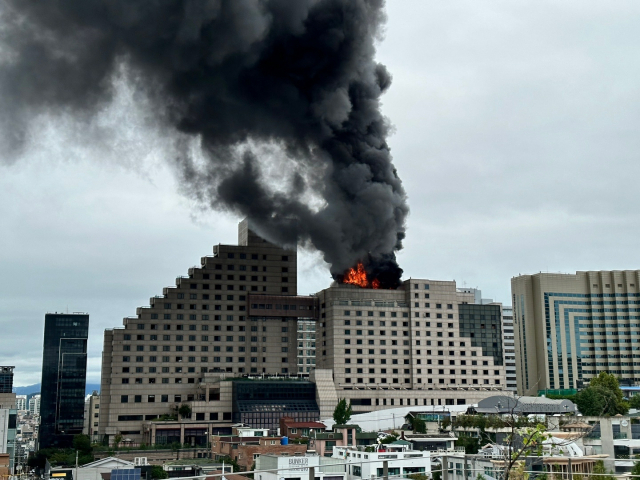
223,73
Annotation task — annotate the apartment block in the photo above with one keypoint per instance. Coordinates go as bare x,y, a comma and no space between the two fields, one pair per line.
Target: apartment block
34,405
426,343
92,416
21,402
235,315
570,327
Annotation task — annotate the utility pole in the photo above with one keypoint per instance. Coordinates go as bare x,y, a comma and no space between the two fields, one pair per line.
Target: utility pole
76,475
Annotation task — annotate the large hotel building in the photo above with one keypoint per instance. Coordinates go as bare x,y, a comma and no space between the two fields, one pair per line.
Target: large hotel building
570,327
233,342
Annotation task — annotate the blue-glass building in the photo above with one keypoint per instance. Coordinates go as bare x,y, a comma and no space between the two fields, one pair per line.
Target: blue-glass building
570,327
64,373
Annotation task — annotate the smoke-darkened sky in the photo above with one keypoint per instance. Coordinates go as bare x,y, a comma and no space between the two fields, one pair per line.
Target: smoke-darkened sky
514,134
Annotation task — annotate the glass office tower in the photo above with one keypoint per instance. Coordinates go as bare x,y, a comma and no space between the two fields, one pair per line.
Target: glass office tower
6,379
64,372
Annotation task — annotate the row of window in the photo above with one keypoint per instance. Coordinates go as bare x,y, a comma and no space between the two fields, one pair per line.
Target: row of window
418,343
394,323
153,370
429,371
358,313
452,381
152,398
192,348
406,361
271,306
192,338
394,333
180,359
383,351
154,326
243,288
254,256
206,296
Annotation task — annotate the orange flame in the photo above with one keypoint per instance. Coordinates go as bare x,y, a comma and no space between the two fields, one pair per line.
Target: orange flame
358,276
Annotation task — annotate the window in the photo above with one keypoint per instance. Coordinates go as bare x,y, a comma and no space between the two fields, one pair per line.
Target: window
124,398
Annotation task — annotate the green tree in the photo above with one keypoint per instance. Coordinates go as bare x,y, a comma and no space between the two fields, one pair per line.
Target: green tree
471,444
634,402
417,424
342,412
82,443
185,410
636,469
232,462
600,472
157,472
603,396
389,438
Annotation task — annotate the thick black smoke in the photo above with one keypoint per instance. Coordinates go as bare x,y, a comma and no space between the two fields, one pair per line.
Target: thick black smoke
298,74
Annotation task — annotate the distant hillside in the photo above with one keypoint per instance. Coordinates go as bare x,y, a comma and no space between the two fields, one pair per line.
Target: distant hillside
35,388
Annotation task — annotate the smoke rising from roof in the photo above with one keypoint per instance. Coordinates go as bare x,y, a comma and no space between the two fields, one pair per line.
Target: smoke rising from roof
299,75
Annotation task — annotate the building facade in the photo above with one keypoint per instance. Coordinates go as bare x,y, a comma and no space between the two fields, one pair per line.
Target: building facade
64,373
570,327
297,467
401,461
7,397
245,445
34,405
239,315
234,315
8,427
508,342
306,346
21,403
425,343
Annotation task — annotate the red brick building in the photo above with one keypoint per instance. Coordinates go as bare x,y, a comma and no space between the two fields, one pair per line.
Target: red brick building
292,429
245,450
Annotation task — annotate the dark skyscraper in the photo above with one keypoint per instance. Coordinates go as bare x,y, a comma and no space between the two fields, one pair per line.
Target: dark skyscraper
64,372
6,379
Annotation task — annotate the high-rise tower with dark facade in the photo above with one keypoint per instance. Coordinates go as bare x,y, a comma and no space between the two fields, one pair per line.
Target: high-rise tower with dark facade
64,373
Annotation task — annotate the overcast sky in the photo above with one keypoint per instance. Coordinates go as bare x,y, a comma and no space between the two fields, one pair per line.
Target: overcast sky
515,135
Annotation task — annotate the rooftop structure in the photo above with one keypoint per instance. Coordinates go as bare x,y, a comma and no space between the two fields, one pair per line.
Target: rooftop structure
501,404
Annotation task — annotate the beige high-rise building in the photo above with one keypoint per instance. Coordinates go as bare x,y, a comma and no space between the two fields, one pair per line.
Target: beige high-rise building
570,327
213,321
92,416
207,343
426,343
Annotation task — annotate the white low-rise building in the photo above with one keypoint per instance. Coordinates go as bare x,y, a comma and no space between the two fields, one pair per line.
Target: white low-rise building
94,470
400,461
274,467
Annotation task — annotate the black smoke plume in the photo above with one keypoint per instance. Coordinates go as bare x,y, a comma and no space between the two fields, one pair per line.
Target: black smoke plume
296,74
